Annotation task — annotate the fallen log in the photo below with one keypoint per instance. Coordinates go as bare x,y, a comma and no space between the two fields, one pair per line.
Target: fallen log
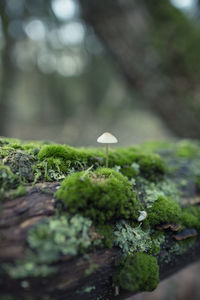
90,273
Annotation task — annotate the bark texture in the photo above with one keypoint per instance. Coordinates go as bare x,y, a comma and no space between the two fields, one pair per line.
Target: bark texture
20,214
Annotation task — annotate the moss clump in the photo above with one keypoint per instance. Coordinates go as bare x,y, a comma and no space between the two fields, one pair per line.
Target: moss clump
130,171
106,231
58,151
164,210
102,195
58,158
187,149
8,180
152,166
191,217
21,163
138,273
70,157
157,239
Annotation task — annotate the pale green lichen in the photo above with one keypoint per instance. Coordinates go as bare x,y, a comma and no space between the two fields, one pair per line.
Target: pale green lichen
152,191
86,289
49,240
177,248
131,239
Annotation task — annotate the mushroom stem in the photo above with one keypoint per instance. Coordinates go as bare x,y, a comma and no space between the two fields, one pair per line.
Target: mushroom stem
106,155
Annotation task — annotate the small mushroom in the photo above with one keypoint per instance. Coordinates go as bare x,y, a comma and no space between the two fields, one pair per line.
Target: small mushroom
173,227
107,138
116,290
142,216
185,233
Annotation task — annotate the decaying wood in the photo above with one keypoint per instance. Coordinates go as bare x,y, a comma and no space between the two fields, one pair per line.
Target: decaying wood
20,214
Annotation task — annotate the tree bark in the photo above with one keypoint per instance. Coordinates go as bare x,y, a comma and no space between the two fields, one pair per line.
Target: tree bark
163,82
20,214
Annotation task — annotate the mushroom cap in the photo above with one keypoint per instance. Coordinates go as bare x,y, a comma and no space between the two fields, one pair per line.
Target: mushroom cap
142,216
107,138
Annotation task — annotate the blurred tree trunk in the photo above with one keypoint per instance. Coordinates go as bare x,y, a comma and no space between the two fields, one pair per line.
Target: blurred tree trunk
158,50
6,71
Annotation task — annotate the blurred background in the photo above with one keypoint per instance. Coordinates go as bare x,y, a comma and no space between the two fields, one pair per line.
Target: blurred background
70,70
60,82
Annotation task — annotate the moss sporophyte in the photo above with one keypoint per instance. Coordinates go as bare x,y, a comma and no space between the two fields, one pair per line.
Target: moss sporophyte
121,206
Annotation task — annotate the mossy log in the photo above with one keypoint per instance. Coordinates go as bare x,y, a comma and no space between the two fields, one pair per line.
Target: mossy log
90,271
23,212
156,49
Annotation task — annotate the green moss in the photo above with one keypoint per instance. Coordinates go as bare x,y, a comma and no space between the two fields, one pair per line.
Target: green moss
8,180
188,149
157,239
102,195
151,191
164,210
20,191
20,164
139,272
106,231
191,217
91,269
62,159
123,156
155,146
4,151
58,151
151,165
50,169
130,171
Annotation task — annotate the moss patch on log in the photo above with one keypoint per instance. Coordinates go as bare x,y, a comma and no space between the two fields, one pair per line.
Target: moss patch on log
164,210
103,195
99,207
139,272
191,217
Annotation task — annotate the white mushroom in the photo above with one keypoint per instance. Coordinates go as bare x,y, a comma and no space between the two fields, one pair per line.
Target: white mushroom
142,216
107,138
